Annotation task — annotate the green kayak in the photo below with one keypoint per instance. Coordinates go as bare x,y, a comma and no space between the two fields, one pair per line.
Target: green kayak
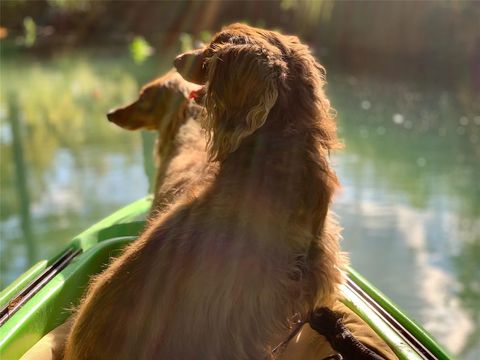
42,298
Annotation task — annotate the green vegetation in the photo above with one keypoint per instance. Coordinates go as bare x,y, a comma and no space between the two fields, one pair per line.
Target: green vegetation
140,49
61,138
349,34
60,106
30,31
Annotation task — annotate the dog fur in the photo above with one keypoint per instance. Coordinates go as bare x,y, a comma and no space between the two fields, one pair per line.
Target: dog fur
223,276
180,154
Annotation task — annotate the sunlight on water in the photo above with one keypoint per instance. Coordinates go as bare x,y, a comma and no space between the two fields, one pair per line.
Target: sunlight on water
410,203
402,250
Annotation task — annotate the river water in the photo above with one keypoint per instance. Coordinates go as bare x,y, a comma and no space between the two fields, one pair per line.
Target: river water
410,170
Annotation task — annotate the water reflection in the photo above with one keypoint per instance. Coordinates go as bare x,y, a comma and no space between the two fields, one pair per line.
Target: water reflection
411,201
21,175
405,251
409,205
63,165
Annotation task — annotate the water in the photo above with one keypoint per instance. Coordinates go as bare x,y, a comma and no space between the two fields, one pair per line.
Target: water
410,202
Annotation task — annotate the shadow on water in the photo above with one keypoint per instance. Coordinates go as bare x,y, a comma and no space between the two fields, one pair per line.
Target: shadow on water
410,203
22,191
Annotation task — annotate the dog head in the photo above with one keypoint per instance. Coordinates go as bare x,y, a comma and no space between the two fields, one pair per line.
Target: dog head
247,72
163,97
241,81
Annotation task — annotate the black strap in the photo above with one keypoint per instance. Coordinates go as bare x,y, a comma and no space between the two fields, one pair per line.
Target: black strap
330,324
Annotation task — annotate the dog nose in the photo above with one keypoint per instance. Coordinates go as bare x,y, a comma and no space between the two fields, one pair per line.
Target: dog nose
111,114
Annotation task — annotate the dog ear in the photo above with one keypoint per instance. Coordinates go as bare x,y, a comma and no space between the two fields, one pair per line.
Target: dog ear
242,88
191,65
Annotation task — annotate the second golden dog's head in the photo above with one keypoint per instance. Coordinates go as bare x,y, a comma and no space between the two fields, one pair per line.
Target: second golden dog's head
159,100
250,73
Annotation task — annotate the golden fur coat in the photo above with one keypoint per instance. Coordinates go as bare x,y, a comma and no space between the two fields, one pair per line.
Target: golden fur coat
223,275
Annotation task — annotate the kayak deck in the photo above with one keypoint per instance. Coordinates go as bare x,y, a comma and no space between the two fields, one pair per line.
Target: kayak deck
43,297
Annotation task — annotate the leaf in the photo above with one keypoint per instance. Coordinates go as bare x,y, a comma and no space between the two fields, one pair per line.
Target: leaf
140,49
186,42
30,31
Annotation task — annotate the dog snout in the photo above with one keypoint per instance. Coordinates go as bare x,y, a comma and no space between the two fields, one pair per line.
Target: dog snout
117,116
111,114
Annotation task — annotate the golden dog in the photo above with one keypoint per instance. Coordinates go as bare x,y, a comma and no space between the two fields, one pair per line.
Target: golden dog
165,105
225,275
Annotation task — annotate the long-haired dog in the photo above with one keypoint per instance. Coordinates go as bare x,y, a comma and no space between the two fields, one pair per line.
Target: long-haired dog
166,106
224,276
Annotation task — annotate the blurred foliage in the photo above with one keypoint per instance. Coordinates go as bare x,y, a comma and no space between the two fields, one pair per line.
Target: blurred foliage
186,42
140,49
430,37
30,31
308,13
62,105
69,5
205,36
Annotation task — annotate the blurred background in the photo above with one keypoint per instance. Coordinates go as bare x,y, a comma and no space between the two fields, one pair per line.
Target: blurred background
403,76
